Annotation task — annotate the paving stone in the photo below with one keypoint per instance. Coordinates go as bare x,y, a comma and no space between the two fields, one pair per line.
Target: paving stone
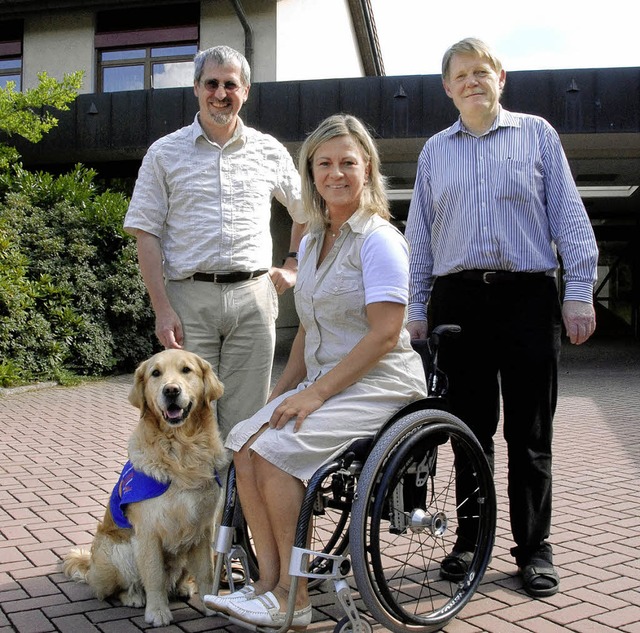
56,478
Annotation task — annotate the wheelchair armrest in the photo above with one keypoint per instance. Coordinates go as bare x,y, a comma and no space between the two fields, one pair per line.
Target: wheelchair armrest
357,450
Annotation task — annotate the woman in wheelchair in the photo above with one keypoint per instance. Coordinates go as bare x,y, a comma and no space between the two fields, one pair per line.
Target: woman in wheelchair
351,364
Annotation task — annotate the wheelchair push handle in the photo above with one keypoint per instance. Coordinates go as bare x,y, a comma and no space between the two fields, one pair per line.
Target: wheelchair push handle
429,346
428,350
445,329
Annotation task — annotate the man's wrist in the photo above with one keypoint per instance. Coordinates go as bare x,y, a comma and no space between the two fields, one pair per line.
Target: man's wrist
291,255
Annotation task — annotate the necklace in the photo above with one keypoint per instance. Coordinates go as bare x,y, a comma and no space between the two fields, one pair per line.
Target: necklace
331,231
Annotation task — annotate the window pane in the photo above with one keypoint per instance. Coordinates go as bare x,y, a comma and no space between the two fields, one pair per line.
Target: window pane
172,51
173,75
108,56
11,64
6,78
121,78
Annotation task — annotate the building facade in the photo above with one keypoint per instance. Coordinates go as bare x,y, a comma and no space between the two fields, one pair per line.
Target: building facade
137,59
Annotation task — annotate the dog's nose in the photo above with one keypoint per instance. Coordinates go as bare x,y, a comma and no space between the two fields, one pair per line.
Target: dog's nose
171,391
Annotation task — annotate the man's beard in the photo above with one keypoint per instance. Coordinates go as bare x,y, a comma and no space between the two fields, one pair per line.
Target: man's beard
221,118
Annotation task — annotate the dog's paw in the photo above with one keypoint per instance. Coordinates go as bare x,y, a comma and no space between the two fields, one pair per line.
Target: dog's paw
132,598
186,589
158,616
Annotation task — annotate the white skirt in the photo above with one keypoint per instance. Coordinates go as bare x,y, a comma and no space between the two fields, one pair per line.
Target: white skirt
358,411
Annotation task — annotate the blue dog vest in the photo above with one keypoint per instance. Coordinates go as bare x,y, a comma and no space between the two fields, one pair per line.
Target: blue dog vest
131,487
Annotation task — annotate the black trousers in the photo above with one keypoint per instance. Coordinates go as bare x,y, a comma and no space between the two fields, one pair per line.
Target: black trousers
509,346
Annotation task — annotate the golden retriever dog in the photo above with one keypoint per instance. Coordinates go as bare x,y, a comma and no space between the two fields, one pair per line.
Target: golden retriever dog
175,449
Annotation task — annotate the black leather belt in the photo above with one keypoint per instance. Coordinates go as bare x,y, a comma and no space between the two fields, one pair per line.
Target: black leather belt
495,276
229,278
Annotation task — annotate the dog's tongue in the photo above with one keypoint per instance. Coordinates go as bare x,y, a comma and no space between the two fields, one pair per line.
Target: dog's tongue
174,412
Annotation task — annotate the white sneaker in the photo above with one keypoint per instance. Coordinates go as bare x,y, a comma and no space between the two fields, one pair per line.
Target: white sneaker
264,611
221,603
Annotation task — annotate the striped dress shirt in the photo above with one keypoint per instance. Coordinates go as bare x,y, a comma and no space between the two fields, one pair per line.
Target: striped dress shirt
505,200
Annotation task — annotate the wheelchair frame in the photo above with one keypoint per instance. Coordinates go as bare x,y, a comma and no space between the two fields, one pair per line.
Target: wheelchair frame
391,480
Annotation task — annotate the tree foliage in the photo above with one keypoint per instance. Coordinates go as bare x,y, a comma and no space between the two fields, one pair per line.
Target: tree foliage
72,301
28,114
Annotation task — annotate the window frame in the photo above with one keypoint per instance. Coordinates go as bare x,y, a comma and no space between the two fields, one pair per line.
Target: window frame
11,49
147,61
120,31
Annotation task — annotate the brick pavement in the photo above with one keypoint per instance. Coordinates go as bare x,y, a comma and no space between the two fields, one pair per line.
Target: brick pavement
62,448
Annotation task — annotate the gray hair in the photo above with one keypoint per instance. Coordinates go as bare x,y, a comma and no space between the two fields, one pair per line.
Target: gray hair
470,46
374,196
221,56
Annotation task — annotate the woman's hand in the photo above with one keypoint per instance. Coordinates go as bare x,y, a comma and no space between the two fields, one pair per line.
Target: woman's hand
297,406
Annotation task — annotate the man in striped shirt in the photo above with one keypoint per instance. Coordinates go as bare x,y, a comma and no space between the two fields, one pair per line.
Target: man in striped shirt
494,205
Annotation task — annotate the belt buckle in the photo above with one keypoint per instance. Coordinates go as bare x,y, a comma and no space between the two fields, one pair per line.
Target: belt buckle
215,277
485,276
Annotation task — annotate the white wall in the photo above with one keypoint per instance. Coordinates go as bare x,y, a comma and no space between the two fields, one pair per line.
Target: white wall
292,39
219,24
59,43
316,40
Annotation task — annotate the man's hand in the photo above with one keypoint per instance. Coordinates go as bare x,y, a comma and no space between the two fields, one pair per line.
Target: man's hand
283,278
169,329
579,320
417,330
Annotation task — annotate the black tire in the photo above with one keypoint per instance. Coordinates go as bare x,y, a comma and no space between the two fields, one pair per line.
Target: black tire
404,521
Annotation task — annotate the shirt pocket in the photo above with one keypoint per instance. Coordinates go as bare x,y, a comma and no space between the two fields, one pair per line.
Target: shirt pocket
342,301
515,182
342,285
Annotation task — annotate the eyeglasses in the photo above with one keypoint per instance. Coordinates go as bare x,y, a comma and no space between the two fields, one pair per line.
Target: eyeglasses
211,85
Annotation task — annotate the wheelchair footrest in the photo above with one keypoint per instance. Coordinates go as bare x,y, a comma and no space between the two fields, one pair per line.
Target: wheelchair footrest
299,565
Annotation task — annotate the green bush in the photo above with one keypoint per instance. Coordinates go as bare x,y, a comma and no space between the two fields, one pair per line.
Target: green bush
72,300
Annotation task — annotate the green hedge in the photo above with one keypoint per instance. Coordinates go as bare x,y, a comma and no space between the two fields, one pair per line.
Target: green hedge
72,302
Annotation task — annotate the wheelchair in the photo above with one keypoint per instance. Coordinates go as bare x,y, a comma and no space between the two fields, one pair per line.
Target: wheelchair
386,512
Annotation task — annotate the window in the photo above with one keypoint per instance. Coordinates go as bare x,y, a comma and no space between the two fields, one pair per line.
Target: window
11,53
138,51
149,67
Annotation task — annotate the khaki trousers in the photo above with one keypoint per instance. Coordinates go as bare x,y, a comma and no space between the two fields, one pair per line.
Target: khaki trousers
233,327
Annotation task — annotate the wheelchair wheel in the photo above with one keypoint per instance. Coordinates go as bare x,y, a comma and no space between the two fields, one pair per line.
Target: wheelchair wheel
405,517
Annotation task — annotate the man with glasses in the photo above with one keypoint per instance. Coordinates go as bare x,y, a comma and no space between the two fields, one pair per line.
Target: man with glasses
201,212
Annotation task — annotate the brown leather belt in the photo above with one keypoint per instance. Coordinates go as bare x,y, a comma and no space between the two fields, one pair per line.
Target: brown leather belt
495,276
229,278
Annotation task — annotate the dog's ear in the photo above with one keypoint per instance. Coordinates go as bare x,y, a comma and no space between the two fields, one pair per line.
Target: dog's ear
213,388
136,395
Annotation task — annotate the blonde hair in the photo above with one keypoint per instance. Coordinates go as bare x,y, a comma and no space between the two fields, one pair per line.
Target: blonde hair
470,46
374,196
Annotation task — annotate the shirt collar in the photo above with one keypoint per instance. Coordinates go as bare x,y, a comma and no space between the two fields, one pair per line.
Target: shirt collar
357,223
504,119
198,131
